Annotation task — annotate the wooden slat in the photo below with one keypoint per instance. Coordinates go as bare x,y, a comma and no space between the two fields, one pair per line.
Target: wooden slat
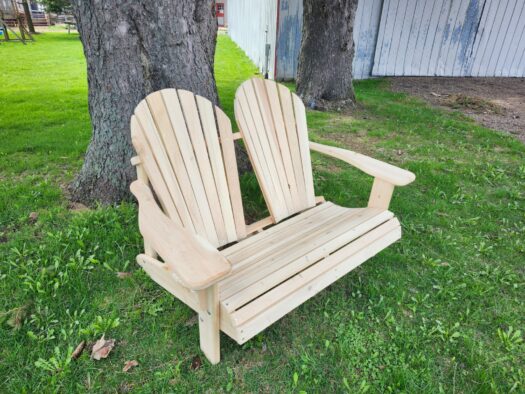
191,114
273,124
259,103
217,164
249,260
232,174
236,253
163,123
270,307
257,141
272,108
285,99
304,149
190,163
273,270
158,171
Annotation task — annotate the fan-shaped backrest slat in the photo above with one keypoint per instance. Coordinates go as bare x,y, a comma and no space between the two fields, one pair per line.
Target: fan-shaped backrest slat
192,171
272,121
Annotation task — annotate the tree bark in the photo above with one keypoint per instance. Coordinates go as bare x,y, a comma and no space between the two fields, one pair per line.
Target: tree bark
324,74
133,48
29,18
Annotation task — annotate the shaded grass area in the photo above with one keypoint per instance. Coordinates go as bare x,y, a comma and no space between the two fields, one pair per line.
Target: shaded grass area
440,311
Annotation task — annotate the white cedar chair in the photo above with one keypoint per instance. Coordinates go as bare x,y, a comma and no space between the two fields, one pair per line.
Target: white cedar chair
241,278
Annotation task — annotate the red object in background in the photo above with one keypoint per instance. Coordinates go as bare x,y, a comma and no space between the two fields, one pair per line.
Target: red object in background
219,13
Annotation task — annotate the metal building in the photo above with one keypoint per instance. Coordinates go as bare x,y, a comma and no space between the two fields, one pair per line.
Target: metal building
394,37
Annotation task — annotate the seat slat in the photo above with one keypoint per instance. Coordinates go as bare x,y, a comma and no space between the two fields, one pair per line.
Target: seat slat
295,256
217,164
270,307
260,237
281,244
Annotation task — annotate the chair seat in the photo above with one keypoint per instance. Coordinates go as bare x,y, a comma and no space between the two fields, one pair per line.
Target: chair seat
278,269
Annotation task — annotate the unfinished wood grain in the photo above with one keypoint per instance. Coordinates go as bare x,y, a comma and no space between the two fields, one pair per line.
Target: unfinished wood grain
270,273
273,305
230,168
277,141
196,263
211,136
376,168
381,194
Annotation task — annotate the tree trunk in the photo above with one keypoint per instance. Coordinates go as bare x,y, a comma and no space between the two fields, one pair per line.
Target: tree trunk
324,75
29,18
132,48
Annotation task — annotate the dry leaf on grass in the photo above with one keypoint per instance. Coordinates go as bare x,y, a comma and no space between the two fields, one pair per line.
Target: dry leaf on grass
196,363
130,364
102,347
78,350
123,275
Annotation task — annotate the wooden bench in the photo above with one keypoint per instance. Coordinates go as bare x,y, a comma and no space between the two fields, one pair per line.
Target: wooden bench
242,278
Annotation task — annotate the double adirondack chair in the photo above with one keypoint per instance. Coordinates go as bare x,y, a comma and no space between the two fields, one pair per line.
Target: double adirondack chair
240,278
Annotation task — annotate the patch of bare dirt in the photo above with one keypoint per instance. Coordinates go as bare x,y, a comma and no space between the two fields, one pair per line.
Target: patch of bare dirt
497,103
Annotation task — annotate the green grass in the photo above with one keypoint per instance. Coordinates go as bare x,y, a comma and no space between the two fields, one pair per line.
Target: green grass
437,312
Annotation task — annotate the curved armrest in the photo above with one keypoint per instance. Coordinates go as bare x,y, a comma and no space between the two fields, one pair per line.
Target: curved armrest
195,262
376,168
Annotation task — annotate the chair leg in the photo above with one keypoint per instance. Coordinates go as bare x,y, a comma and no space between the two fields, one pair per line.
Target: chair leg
209,324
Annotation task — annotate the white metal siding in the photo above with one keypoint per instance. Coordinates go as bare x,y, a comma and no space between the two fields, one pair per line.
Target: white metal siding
451,38
247,23
366,27
397,37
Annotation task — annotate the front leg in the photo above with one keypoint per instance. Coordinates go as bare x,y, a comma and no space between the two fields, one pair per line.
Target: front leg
209,323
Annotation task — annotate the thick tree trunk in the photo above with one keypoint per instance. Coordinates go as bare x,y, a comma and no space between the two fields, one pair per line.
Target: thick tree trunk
29,18
324,75
132,48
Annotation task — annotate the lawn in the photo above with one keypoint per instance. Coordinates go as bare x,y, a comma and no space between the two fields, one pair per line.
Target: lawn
440,311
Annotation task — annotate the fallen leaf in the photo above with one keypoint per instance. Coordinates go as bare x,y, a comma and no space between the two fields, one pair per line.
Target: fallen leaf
78,350
123,275
33,216
196,363
129,364
102,347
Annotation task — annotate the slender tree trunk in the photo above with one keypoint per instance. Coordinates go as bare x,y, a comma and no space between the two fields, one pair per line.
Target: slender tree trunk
324,75
29,18
132,48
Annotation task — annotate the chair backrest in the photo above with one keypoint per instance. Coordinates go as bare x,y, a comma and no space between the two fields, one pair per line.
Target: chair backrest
272,121
186,146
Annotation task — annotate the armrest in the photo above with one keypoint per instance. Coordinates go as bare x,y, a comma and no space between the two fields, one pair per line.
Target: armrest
195,262
376,168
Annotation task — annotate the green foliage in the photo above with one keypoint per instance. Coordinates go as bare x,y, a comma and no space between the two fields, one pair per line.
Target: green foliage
56,6
440,311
